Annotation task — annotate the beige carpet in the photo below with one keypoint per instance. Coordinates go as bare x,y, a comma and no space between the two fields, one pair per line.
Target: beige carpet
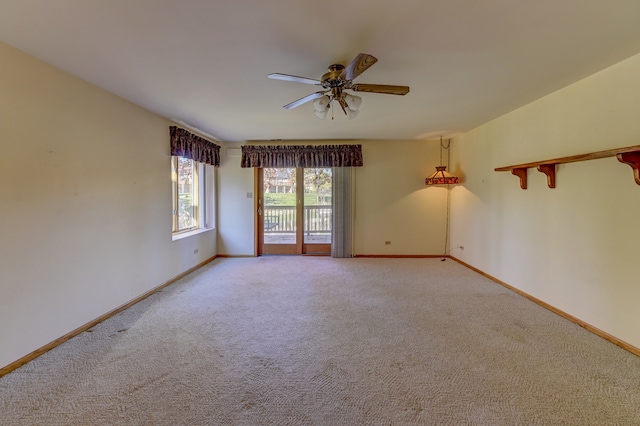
322,341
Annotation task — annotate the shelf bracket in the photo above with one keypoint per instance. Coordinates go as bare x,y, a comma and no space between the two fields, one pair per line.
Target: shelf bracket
632,159
628,155
521,172
550,171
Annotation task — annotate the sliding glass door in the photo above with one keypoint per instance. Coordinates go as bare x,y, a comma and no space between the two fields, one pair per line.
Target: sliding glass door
294,214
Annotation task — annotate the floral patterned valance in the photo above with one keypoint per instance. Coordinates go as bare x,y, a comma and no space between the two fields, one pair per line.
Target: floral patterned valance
186,144
312,156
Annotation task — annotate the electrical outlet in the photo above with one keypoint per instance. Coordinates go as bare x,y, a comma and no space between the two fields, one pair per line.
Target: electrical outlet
387,243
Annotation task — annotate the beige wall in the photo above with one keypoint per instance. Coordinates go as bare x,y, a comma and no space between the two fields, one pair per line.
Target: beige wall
575,247
85,221
392,202
236,210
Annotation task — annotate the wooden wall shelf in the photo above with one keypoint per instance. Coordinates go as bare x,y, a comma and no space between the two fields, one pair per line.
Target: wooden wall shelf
629,155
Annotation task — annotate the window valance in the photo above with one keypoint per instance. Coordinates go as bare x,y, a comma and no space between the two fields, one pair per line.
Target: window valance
312,156
186,144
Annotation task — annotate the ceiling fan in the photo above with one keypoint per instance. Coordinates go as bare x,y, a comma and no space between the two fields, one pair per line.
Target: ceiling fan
335,82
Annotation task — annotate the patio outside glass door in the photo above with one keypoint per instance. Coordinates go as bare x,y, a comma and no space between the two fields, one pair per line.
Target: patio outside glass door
294,213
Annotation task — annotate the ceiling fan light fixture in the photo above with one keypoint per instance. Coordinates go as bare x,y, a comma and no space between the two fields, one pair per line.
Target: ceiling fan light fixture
322,103
352,113
339,78
353,101
321,106
321,114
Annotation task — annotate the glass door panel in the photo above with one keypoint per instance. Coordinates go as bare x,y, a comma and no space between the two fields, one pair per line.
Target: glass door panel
279,195
294,211
317,206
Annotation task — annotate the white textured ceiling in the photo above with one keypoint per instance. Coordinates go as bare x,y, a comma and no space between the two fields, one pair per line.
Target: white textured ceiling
205,62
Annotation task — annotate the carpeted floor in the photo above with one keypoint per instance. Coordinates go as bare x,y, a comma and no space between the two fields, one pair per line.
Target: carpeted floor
322,341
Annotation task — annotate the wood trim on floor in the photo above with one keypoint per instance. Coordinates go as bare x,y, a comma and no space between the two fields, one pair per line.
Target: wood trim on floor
33,355
27,358
403,256
624,345
271,254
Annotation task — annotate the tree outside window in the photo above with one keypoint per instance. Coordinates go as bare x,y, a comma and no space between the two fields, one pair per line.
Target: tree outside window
185,194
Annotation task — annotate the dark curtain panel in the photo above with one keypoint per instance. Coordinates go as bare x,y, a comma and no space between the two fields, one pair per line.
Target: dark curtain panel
310,156
186,144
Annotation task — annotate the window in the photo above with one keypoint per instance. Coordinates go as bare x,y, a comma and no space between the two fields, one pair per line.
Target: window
192,198
185,199
192,176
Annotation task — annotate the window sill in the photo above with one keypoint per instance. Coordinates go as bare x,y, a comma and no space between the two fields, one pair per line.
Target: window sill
185,234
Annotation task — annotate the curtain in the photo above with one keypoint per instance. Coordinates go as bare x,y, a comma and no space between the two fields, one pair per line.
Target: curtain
186,144
310,156
343,196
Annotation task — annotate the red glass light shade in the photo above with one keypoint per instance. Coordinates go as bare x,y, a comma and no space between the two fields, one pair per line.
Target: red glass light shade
441,177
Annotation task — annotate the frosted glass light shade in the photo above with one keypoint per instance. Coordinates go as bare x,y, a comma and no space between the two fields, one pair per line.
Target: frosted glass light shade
322,103
321,114
321,106
353,102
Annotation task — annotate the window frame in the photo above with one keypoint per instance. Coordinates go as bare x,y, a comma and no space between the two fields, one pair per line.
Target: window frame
195,200
203,199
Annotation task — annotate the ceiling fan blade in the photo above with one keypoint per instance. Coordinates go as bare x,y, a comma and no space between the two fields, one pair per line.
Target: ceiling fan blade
357,66
380,88
304,100
296,79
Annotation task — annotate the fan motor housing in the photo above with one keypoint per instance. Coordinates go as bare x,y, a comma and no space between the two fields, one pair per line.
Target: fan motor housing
332,78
